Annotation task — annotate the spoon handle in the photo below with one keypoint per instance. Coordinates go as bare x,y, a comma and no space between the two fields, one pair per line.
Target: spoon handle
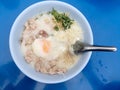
99,48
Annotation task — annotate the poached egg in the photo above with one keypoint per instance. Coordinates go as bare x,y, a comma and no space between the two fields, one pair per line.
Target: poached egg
48,48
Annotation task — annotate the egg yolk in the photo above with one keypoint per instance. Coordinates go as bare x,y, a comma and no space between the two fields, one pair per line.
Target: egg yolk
46,46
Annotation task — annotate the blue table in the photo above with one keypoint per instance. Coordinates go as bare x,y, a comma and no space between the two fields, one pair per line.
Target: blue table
103,69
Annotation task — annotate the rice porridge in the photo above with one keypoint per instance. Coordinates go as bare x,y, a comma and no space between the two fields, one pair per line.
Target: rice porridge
47,39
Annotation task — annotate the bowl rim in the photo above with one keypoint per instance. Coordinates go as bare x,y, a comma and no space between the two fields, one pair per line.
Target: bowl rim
32,6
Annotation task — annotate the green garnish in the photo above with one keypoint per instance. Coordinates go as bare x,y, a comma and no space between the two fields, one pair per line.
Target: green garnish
56,28
62,19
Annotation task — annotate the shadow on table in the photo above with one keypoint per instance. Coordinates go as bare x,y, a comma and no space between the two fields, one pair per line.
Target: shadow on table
98,85
112,86
60,86
99,82
11,78
79,82
5,76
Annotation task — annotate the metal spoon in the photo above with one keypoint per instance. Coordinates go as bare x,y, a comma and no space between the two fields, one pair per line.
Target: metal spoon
79,47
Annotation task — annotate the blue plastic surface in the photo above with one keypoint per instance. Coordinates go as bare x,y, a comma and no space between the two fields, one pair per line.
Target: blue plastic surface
103,69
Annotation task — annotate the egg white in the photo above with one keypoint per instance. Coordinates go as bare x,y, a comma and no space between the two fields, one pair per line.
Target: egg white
56,48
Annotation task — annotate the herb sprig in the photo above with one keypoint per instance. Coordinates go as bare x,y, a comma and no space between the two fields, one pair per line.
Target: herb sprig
62,19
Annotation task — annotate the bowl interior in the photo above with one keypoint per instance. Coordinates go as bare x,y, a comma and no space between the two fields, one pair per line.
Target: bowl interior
18,27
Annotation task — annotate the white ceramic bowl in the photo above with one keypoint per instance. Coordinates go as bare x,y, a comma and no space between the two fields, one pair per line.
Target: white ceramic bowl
18,27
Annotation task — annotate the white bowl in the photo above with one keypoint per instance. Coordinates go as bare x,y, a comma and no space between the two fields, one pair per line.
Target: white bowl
18,27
